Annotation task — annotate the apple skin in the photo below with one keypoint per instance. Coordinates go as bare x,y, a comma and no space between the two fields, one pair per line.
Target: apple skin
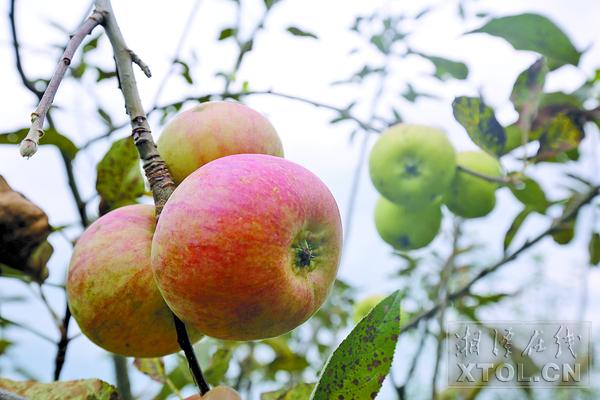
213,130
111,289
406,229
218,393
470,196
412,165
247,247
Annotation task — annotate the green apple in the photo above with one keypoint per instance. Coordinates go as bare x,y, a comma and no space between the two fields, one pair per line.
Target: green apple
407,229
471,196
412,165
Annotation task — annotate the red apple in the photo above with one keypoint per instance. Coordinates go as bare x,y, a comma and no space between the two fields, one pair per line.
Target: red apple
213,130
247,247
111,289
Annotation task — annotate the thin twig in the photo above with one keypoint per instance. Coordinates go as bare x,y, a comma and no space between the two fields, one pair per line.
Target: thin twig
67,162
465,290
30,143
401,390
236,95
443,290
180,42
39,94
505,181
140,63
28,329
63,343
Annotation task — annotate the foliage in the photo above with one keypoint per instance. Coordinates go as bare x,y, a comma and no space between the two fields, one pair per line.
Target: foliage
550,128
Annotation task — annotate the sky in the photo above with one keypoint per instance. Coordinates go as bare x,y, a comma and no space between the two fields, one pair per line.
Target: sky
302,67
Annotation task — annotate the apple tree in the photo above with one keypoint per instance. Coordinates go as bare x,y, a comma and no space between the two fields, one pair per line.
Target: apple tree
180,265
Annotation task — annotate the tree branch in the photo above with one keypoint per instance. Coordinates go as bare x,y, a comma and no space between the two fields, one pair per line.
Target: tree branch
160,180
29,145
570,213
156,171
236,95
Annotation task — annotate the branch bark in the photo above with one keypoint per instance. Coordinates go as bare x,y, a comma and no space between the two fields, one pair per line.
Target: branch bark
159,178
29,145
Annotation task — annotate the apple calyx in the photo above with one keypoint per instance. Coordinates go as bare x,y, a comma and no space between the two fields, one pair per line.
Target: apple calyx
305,250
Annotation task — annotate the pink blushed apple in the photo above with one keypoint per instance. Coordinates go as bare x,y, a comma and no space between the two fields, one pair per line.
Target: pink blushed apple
213,130
247,247
111,289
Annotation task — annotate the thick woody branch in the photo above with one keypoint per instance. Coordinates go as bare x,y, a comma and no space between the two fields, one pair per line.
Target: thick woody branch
160,180
30,143
158,176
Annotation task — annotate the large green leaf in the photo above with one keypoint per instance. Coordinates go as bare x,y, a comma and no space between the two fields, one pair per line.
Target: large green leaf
445,68
119,181
301,391
527,92
51,136
85,389
480,123
357,368
535,33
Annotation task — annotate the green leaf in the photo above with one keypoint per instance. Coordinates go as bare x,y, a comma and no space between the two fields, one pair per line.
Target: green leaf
357,368
594,248
527,92
152,367
88,389
480,123
102,74
445,68
301,391
219,364
185,71
92,44
51,136
514,227
535,33
227,33
299,32
270,3
119,181
179,377
531,195
4,345
558,135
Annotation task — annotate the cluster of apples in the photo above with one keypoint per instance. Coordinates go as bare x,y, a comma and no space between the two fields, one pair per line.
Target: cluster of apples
246,248
414,168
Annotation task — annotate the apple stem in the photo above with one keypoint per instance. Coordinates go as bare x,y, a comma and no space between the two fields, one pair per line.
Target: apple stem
185,344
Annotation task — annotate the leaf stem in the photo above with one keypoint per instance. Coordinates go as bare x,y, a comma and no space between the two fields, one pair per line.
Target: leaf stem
504,181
